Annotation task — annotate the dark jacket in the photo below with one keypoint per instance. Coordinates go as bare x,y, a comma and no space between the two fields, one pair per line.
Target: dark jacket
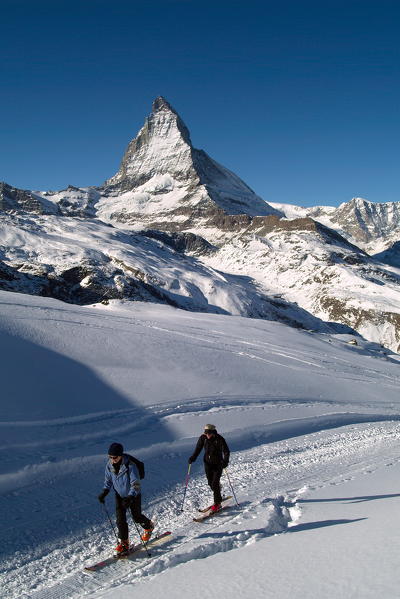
216,451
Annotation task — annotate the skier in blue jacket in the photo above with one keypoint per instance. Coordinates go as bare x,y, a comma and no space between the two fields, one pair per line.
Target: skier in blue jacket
121,473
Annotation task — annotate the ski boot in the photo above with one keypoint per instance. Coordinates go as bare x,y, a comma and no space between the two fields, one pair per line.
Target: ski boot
122,549
147,533
215,508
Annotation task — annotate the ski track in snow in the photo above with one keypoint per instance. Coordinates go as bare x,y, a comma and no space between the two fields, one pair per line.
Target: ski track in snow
270,349
277,469
49,441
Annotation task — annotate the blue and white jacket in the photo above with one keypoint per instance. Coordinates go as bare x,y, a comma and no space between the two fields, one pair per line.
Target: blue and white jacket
126,482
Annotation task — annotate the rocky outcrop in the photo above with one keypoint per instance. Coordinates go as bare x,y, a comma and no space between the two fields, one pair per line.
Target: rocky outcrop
19,200
376,325
373,227
368,224
184,243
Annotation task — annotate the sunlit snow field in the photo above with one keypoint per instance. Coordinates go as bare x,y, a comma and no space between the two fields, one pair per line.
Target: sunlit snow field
312,423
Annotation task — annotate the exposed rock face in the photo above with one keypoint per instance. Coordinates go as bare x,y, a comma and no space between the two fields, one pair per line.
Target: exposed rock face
366,221
83,284
184,243
372,226
366,321
16,200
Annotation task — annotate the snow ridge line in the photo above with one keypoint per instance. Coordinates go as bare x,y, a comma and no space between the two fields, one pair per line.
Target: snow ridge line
244,438
71,420
305,426
194,405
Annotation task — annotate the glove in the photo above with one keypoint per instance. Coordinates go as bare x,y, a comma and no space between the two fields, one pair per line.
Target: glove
126,501
191,460
103,495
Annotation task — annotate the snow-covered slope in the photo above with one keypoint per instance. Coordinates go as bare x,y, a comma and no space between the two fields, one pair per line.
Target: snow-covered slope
85,261
307,263
294,271
301,412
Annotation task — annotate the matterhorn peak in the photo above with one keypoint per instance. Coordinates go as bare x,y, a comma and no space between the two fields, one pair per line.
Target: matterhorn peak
162,113
161,103
162,147
165,174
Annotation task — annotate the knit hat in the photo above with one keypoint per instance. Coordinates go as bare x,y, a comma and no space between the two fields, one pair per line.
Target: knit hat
115,449
210,428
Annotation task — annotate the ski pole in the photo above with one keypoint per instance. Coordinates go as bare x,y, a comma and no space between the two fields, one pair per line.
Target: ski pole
140,537
186,486
109,519
230,484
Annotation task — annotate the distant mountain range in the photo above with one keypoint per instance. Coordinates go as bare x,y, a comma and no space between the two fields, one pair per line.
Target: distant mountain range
174,226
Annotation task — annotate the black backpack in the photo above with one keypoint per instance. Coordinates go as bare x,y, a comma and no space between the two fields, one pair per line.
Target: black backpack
139,465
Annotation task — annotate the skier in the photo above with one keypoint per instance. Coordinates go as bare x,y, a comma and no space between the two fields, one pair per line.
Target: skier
122,474
216,458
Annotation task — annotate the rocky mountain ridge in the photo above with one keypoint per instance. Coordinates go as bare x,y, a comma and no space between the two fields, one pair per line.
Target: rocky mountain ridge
372,226
172,225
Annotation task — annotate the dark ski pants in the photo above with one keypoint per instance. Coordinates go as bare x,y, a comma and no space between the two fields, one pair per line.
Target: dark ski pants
213,474
136,511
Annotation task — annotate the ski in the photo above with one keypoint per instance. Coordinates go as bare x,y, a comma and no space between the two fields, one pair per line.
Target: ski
205,509
133,551
210,514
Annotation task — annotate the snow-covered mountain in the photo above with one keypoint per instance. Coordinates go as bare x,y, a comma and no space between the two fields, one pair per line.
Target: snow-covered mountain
174,226
309,264
162,177
372,226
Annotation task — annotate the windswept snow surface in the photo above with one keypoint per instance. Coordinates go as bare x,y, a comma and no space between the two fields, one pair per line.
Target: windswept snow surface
313,424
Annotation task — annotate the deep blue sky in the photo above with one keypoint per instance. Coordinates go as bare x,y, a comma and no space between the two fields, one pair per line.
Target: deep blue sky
300,98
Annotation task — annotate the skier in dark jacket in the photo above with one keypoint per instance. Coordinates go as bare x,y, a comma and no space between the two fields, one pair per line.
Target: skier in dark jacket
216,458
122,475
